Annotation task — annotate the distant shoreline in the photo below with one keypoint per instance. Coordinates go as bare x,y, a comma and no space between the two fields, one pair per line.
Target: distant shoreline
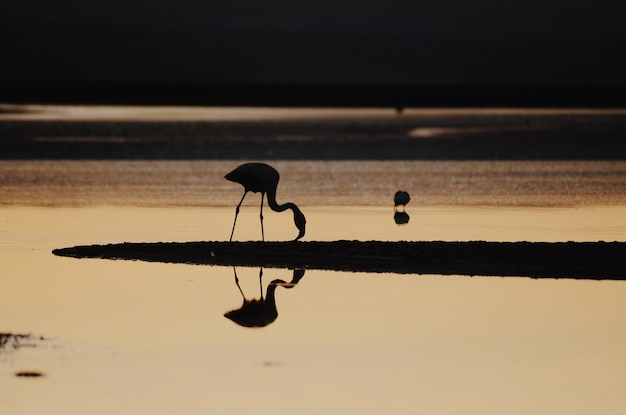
578,260
414,135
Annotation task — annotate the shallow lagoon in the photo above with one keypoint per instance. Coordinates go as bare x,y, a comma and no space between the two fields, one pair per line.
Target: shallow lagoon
133,336
129,336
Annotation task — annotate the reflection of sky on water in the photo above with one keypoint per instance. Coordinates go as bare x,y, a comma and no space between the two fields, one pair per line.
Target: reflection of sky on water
152,337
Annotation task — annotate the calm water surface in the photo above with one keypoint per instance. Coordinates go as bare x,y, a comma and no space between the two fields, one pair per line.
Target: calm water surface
132,337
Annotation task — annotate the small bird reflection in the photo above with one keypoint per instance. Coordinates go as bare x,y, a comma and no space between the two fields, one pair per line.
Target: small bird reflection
401,218
261,312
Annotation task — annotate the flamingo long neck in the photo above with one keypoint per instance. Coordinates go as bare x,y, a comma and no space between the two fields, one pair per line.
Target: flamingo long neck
270,297
270,294
271,200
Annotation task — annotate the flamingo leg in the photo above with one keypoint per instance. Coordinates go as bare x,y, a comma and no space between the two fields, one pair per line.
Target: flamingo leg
237,213
261,214
238,286
261,281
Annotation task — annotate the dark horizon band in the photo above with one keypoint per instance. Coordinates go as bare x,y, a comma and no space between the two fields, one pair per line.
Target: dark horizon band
123,92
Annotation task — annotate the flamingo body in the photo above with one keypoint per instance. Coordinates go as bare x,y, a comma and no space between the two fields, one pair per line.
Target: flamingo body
255,177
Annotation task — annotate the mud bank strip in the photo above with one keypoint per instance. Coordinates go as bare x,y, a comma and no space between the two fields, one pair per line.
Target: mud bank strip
580,260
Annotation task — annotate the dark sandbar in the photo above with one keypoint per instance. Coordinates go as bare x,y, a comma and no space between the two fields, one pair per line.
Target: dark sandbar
580,260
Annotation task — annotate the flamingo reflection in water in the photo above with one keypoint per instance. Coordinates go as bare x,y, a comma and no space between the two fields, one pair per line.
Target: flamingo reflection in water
261,312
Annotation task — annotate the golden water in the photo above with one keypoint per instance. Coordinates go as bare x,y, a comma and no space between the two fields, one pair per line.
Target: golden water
134,337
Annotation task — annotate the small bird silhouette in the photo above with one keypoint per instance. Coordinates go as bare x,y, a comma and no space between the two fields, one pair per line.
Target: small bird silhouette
401,199
263,178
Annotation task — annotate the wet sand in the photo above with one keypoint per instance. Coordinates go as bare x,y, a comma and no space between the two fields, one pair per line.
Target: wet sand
580,260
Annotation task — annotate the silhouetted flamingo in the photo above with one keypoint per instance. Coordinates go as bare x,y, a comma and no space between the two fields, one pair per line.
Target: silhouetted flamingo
262,178
401,198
